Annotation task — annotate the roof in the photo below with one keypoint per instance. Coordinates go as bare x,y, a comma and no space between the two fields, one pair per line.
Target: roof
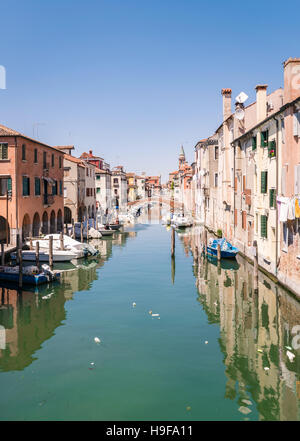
73,159
90,156
5,131
64,147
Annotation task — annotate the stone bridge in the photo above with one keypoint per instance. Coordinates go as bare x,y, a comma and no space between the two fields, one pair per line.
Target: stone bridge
173,204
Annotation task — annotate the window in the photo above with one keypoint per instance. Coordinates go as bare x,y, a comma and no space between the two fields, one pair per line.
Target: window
87,171
37,186
116,191
254,143
54,189
5,185
235,217
216,180
23,152
216,152
52,160
264,136
283,131
244,183
35,156
60,188
272,149
44,160
26,186
116,180
264,182
65,191
98,177
244,220
98,189
60,162
272,194
3,150
264,226
256,223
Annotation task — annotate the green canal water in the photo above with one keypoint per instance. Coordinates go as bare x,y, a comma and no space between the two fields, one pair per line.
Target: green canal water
217,352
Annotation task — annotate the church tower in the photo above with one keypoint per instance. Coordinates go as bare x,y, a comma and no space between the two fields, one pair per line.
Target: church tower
181,159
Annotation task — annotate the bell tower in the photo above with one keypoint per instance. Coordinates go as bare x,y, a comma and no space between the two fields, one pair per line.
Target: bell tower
181,158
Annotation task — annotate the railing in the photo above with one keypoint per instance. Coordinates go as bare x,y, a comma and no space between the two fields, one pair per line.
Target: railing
48,199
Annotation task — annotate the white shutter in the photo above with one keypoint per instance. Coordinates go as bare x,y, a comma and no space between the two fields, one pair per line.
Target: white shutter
296,124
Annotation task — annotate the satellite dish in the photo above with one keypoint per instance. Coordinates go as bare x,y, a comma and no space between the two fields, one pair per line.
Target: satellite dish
241,98
240,113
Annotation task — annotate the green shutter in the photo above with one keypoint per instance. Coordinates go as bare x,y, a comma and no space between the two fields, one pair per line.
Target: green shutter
263,226
9,184
264,182
60,188
26,186
272,198
264,138
35,155
272,149
3,151
37,186
254,145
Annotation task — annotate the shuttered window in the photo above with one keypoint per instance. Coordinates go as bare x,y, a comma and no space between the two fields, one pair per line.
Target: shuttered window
263,226
264,182
244,182
37,186
244,220
35,156
5,186
60,188
60,162
3,150
283,180
272,194
296,124
23,152
54,189
254,143
264,138
235,184
52,160
26,186
9,184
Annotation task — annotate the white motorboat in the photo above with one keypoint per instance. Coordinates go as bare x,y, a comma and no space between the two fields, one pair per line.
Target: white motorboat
72,245
166,220
93,234
105,231
181,221
58,255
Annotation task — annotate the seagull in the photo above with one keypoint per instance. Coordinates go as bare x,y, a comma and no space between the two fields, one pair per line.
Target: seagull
97,340
134,304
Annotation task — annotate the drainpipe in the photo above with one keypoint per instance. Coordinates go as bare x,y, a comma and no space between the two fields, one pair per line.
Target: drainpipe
16,192
277,166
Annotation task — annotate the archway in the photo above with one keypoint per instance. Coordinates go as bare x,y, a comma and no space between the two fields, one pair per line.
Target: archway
52,222
84,212
45,223
89,212
67,216
60,221
3,226
93,212
25,227
36,224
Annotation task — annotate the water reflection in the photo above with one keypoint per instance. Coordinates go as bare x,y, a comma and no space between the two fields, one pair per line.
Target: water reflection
30,316
255,331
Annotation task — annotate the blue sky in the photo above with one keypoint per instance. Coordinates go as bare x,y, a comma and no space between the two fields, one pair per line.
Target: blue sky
135,79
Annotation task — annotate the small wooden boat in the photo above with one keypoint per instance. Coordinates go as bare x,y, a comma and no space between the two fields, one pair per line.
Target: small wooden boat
114,227
106,233
228,251
30,275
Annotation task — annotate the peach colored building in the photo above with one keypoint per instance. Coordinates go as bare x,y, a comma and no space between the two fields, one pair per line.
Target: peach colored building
32,172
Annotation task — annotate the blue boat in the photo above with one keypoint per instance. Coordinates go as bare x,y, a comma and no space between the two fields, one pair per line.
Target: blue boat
228,251
7,274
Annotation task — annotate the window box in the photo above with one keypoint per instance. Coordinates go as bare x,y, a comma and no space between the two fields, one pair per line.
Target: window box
272,149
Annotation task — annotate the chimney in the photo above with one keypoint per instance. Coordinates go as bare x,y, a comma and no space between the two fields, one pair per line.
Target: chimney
91,152
261,102
291,79
226,93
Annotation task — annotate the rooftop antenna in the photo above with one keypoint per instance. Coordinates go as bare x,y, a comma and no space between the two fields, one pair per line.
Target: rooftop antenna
37,124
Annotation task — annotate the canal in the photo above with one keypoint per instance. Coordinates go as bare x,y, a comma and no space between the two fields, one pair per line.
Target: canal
217,350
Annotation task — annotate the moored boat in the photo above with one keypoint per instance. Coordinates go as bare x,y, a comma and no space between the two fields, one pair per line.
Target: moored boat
58,255
228,251
30,275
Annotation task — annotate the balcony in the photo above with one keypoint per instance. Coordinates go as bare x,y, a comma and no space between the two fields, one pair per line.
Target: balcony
48,199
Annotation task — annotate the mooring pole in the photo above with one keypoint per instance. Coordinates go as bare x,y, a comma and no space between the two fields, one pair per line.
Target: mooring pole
2,254
51,252
255,271
172,242
37,254
20,268
61,241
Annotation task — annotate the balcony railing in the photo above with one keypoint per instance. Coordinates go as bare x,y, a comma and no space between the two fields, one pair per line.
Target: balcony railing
48,199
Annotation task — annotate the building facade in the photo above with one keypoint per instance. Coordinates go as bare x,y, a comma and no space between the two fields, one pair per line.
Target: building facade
31,185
